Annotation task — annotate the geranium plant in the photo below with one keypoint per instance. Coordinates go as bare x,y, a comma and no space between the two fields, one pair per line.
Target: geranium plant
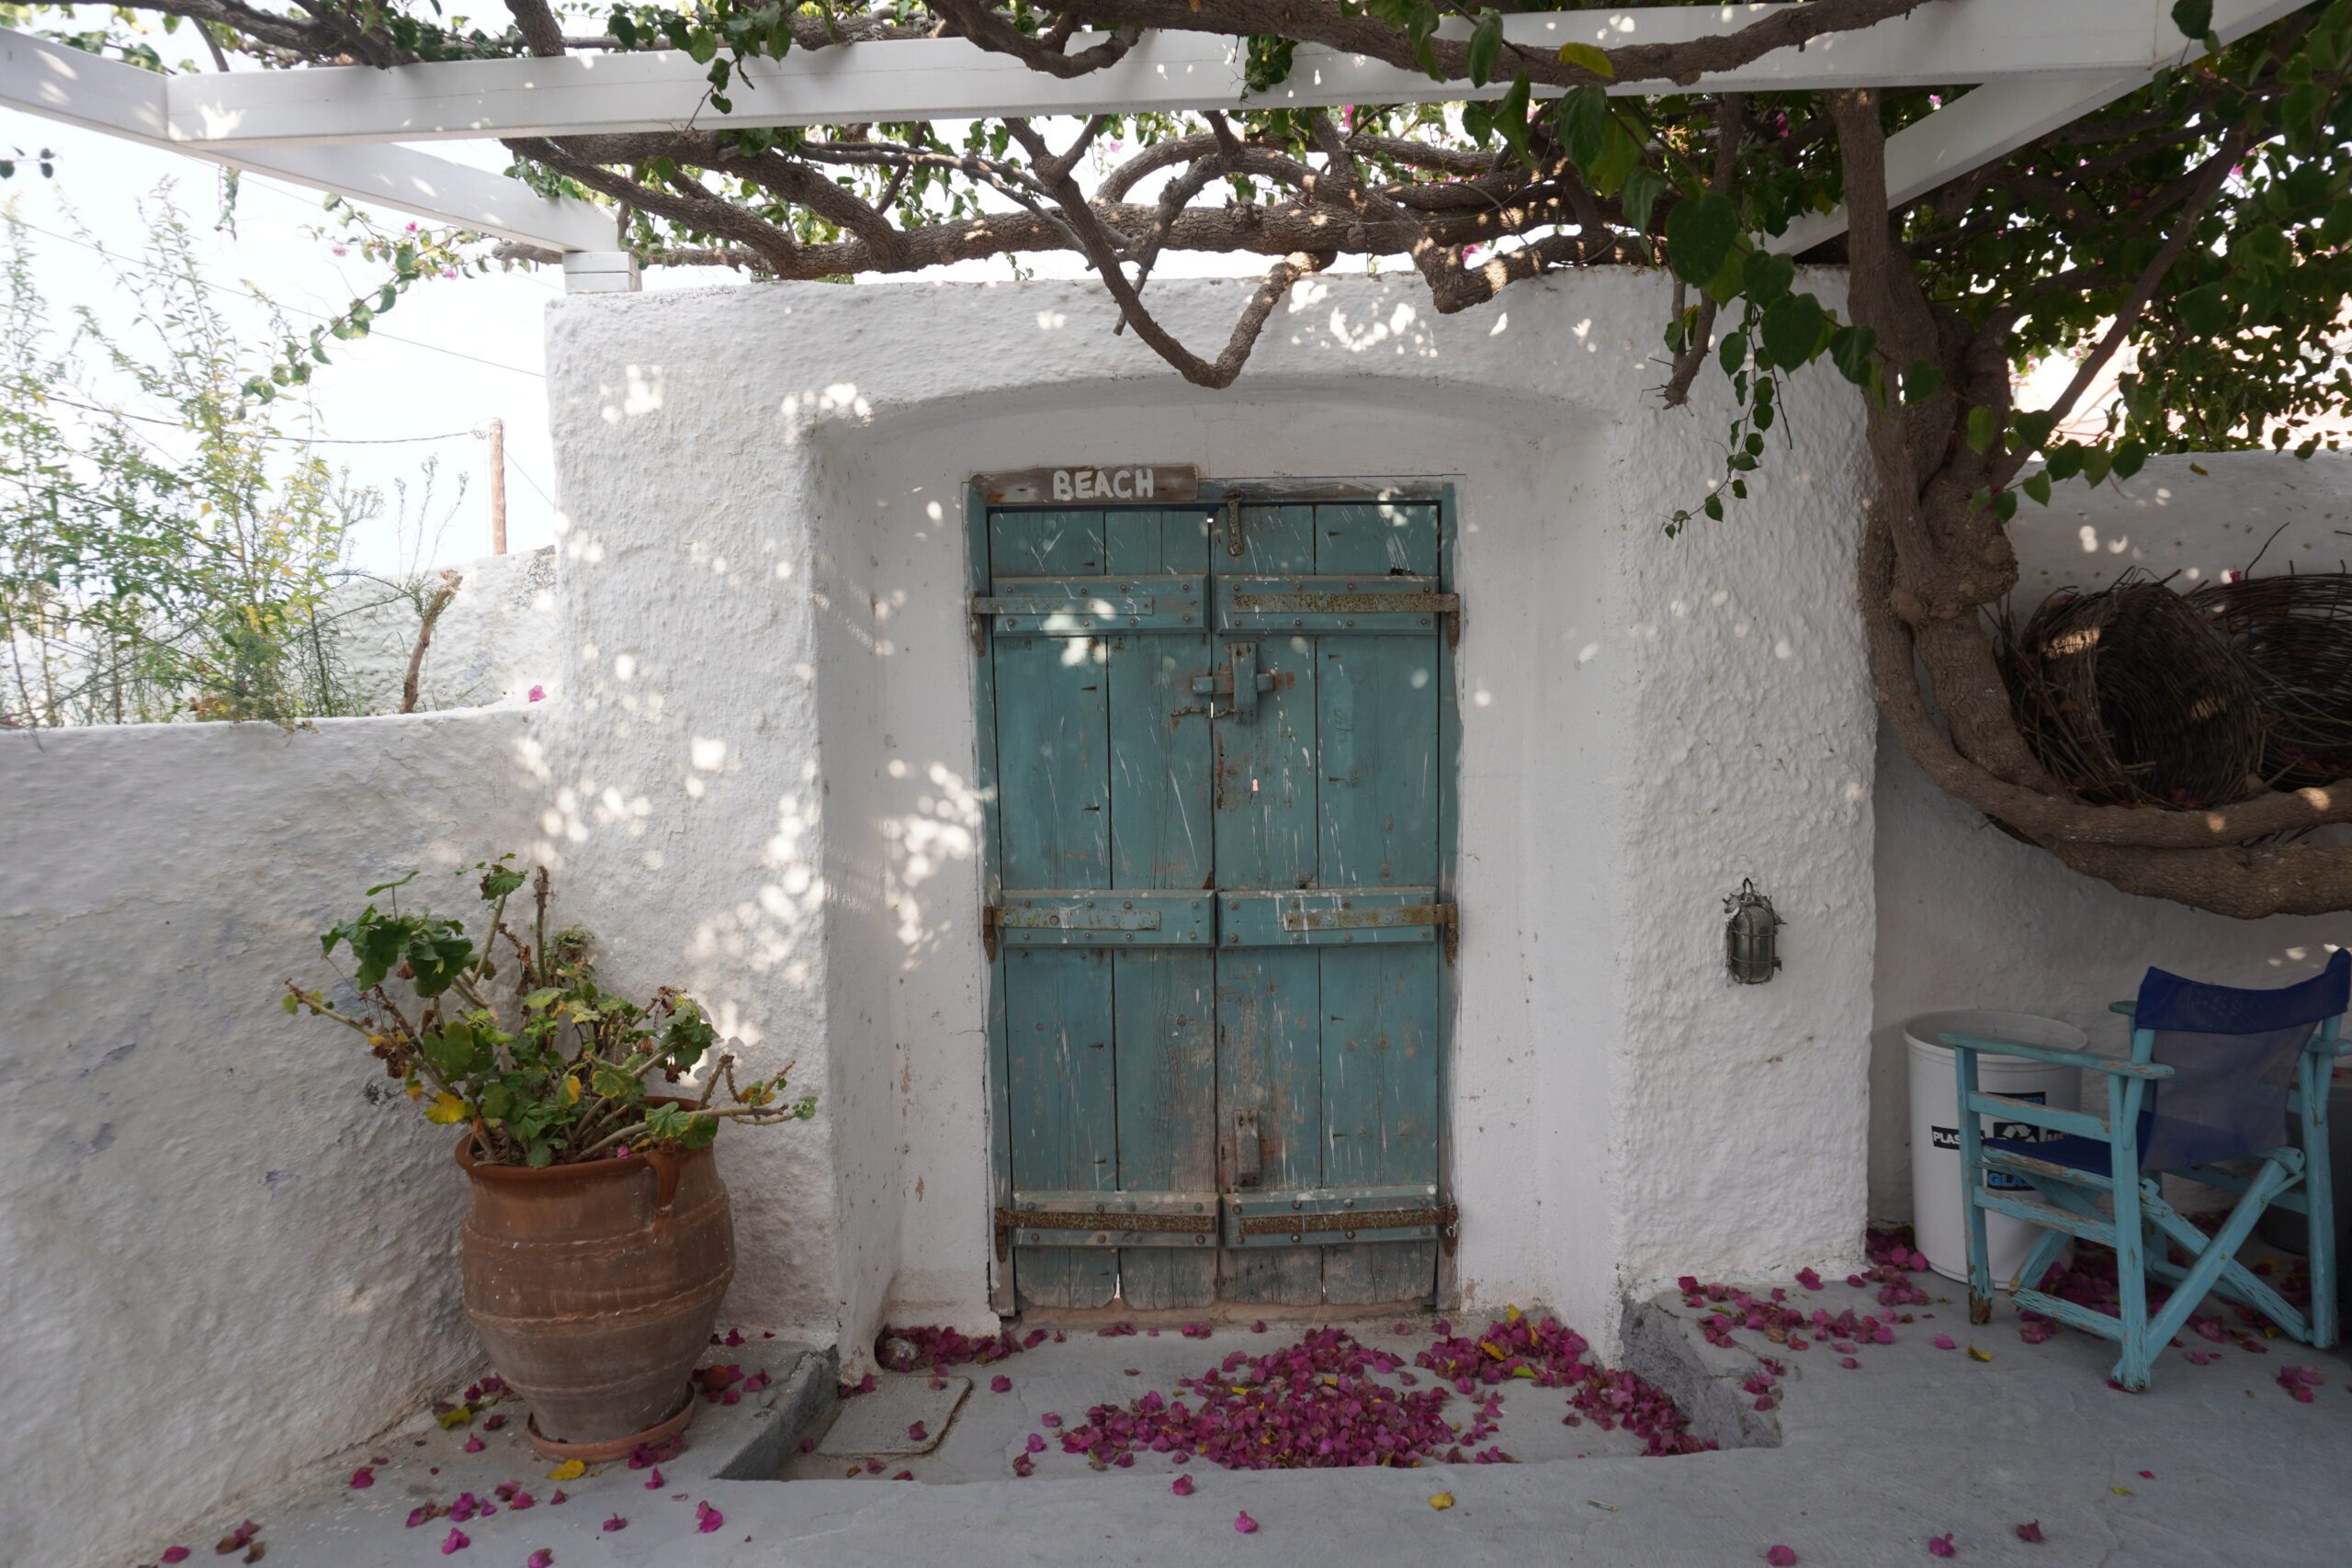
547,1066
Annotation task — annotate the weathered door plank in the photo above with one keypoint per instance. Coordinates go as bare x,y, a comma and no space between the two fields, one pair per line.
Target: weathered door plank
1164,1002
1053,816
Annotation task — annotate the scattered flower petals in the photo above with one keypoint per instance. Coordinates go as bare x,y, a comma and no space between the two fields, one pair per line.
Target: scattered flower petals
734,1337
1941,1546
520,1500
175,1554
492,1423
455,1416
1036,1442
542,1558
1000,1384
655,1483
456,1540
556,1497
903,1476
2148,1475
2030,1530
1181,1486
616,1523
570,1470
707,1518
917,1431
362,1479
1781,1556
1809,1278
1023,1465
1442,1501
1244,1524
1050,1418
474,1444
1946,1342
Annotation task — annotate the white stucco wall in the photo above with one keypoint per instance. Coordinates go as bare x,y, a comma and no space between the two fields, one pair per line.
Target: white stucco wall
1970,917
229,1252
493,643
764,770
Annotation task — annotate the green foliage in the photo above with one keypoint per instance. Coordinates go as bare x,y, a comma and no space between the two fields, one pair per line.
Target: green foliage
547,1065
148,572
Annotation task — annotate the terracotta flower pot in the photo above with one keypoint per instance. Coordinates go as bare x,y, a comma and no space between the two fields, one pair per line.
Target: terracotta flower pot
594,1288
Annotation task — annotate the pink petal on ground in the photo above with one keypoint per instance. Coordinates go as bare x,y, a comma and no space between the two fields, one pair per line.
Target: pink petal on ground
474,1445
1036,1442
734,1337
521,1500
362,1479
1941,1546
655,1484
1243,1523
175,1554
1809,1278
1022,1465
494,1423
616,1523
456,1540
538,693
2148,1475
707,1518
1781,1556
1050,1418
1181,1486
1848,1362
1000,1384
555,1497
918,1431
1946,1342
2030,1531
1259,1327
542,1558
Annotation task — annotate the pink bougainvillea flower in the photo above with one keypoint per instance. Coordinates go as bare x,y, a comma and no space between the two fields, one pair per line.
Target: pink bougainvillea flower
1022,1465
1181,1486
555,1498
456,1540
1810,1278
538,695
1848,1362
175,1554
2148,1475
362,1479
918,1431
903,1476
493,1423
654,1482
1946,1342
542,1558
1050,1418
1781,1556
734,1337
1243,1523
616,1523
707,1518
874,1467
2030,1531
521,1500
1000,1384
1941,1546
416,1516
474,1444
1036,1442
1259,1327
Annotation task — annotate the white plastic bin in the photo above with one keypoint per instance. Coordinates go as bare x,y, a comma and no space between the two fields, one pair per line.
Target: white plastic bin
1935,1129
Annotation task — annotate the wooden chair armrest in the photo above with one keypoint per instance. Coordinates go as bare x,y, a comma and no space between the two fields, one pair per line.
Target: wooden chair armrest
2055,1057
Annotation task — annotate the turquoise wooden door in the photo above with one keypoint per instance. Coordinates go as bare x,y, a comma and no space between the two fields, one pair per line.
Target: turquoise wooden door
1217,917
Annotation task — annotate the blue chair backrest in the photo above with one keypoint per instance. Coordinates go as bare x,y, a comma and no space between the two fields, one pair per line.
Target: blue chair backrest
2233,1053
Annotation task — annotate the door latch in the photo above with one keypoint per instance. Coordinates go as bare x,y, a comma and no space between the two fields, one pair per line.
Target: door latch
1248,1153
1238,684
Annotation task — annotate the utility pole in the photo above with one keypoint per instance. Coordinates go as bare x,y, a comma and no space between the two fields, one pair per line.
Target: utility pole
496,431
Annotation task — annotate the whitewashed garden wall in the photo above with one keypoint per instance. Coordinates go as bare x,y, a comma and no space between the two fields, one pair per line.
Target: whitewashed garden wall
230,1252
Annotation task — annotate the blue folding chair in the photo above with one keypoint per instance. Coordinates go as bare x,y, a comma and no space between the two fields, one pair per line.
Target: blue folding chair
2215,1075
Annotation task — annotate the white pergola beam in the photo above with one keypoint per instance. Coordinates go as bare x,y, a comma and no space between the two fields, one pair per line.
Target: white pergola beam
81,89
1944,42
1998,118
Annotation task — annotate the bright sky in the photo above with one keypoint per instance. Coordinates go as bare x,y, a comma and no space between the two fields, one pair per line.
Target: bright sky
450,356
